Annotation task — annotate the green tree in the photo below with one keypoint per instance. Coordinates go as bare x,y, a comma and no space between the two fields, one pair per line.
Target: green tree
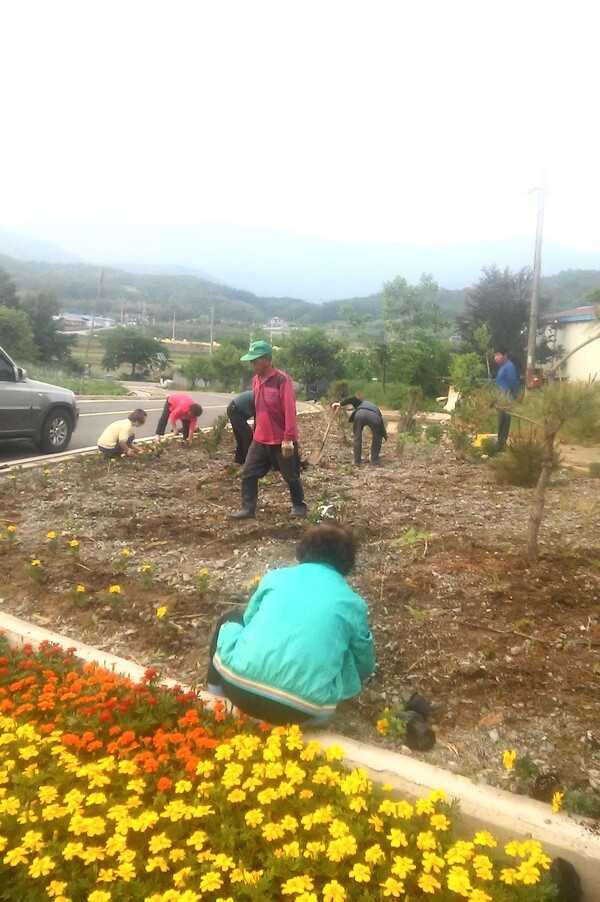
43,310
124,345
411,313
311,357
501,301
8,292
228,368
198,367
467,372
16,334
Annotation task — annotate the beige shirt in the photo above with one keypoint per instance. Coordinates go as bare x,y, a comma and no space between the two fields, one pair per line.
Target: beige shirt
119,431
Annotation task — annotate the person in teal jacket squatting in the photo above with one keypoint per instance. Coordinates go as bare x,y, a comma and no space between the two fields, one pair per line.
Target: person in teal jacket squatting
303,643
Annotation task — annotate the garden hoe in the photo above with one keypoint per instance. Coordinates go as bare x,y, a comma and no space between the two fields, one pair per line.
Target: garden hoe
315,457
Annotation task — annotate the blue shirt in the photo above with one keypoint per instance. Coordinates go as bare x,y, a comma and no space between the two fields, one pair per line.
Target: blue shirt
507,379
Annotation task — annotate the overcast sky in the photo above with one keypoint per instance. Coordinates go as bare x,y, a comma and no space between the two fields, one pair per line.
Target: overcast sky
424,122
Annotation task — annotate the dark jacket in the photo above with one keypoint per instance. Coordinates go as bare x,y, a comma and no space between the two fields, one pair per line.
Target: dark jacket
357,404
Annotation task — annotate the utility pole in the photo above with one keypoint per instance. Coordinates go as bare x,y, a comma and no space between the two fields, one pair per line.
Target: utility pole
531,380
212,320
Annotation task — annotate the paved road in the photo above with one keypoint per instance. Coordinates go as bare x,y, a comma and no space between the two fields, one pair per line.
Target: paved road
95,415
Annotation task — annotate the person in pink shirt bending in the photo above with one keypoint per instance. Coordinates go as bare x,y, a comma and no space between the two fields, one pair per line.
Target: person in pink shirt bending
179,408
275,442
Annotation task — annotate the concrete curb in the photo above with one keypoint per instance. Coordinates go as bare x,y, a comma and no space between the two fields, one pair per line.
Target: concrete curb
482,807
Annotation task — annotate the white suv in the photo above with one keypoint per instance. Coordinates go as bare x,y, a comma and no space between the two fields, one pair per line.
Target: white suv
45,414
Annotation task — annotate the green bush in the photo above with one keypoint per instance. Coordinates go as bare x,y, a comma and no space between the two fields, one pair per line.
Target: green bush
521,463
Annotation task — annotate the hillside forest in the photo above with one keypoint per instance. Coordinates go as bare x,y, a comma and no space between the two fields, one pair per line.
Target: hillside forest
405,336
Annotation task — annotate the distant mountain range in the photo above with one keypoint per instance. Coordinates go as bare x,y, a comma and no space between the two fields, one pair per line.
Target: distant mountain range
277,263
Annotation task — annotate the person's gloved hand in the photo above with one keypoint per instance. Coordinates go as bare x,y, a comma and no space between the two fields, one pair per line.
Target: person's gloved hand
287,448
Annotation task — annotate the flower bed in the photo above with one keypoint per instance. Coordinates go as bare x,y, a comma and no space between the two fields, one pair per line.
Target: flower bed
111,789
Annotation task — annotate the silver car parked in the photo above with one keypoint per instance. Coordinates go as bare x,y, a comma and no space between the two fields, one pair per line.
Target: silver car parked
45,414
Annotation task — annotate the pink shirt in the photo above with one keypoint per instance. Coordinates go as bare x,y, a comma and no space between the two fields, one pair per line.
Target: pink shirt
179,405
275,403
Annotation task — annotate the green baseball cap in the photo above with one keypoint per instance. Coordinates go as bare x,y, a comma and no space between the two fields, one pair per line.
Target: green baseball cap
258,349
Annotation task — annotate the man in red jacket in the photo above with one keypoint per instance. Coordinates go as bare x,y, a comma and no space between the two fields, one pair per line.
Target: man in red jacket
275,442
182,408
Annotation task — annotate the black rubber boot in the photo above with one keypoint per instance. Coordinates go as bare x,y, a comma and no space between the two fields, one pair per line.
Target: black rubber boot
249,496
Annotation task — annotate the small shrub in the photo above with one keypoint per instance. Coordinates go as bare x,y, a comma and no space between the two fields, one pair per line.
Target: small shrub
521,463
434,433
594,470
579,802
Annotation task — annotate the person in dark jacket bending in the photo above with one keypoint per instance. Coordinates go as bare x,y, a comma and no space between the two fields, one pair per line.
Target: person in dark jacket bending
365,413
240,410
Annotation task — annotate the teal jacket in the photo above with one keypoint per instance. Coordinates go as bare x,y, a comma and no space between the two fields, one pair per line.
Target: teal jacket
305,640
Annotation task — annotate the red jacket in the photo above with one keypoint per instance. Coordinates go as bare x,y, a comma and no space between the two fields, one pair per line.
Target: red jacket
179,405
275,403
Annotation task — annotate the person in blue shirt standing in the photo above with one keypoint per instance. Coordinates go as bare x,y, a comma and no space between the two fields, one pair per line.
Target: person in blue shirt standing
507,381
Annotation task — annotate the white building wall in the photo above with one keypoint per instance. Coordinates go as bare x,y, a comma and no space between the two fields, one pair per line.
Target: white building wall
585,363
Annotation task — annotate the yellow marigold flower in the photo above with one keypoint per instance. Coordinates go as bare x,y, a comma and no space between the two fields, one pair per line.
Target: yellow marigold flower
424,806
484,838
211,881
298,884
254,817
357,804
236,795
426,840
557,800
336,828
529,873
478,895
158,843
162,611
157,863
397,838
439,822
272,832
360,872
224,862
334,892
36,562
438,795
432,862
47,794
402,866
428,883
335,753
41,867
483,867
99,895
126,552
177,854
33,841
460,852
180,876
458,880
339,849
291,849
314,849
115,590
80,588
392,887
56,888
509,876
374,854
146,567
509,756
74,543
11,528
51,534
383,726
204,572
15,857
92,854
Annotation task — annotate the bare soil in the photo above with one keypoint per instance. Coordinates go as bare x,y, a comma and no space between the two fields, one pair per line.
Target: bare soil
510,649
